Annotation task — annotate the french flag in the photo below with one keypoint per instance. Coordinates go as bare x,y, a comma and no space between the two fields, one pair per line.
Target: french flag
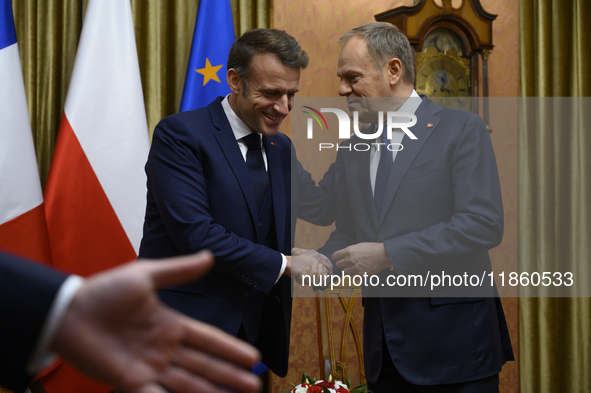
95,196
22,217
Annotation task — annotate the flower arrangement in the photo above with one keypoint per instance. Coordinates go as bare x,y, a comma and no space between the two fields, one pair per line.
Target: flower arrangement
309,385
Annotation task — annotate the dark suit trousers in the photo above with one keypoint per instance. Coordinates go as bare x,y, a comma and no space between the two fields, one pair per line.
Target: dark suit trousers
390,381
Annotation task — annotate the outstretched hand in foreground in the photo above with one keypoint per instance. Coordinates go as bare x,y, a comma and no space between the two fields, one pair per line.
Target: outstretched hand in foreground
117,330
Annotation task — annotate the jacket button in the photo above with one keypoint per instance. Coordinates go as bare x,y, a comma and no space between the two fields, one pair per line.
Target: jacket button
260,224
245,293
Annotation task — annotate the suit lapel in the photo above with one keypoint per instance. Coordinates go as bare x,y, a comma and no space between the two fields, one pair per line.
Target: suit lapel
277,187
229,146
405,157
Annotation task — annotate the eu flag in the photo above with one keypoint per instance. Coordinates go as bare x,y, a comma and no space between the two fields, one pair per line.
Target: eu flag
212,39
7,32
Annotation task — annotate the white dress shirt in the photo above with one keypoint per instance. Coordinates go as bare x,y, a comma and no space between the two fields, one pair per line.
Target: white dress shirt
410,106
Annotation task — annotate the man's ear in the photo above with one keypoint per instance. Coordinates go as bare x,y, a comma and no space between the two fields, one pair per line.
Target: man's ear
234,81
394,66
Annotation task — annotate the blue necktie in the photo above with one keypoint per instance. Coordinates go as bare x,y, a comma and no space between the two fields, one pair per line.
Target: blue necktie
256,167
384,168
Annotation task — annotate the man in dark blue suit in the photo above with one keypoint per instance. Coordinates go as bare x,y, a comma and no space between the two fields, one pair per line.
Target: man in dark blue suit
220,178
432,206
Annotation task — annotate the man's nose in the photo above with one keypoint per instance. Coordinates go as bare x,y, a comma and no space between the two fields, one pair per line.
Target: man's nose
283,105
344,88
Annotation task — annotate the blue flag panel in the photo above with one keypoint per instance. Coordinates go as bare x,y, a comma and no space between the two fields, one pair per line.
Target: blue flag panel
212,40
7,32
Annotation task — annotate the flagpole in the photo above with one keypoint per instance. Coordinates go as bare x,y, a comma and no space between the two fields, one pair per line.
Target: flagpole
271,13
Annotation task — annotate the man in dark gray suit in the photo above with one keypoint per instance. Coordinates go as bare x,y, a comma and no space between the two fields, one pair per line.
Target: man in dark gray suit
433,204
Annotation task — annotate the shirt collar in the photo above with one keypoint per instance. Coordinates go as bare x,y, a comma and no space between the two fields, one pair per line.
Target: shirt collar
239,129
412,104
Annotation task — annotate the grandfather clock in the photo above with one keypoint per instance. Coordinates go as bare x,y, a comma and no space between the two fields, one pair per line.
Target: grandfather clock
447,42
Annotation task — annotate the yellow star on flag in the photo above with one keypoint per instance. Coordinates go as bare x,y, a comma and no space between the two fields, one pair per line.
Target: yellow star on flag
209,72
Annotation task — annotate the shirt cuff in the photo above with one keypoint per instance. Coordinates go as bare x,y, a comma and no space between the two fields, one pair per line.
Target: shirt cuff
42,357
283,266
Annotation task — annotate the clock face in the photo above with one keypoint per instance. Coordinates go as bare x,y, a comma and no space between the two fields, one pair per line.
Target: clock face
443,76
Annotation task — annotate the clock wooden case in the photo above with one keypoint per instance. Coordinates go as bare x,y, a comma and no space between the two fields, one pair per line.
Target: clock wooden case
448,42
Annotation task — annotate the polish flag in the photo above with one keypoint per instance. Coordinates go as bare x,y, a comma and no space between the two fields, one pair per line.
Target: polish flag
22,216
95,196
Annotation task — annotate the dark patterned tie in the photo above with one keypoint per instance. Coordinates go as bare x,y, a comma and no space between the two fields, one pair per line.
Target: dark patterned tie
384,168
256,167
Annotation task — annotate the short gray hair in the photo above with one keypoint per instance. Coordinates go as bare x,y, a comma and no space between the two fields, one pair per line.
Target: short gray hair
384,42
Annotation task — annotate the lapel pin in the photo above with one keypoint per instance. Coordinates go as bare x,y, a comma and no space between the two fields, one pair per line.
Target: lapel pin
429,125
272,143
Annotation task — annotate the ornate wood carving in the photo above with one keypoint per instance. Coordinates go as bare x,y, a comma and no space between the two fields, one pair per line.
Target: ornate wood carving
331,361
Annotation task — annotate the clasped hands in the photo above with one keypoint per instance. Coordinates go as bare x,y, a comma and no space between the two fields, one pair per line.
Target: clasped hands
362,258
307,262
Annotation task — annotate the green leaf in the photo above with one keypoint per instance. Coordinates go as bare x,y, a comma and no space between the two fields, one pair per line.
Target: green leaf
348,382
303,378
325,390
293,385
359,389
306,378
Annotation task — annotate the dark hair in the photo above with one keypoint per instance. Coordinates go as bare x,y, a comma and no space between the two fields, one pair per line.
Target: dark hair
260,41
384,42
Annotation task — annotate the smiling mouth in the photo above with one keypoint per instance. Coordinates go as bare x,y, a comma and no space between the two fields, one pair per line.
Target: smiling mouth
353,101
273,118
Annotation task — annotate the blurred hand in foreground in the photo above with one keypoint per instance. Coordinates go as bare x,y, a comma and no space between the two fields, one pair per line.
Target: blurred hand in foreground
117,330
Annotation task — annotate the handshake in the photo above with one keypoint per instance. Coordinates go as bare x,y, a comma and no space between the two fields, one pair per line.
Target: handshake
307,262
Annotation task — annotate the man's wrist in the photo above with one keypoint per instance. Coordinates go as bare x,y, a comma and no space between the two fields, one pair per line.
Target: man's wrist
387,261
283,267
43,355
287,270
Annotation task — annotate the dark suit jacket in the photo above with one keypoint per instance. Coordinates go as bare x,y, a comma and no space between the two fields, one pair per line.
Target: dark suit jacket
27,291
200,196
442,211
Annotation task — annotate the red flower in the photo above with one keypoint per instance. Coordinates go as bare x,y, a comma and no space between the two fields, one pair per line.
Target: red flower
342,390
329,385
315,389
